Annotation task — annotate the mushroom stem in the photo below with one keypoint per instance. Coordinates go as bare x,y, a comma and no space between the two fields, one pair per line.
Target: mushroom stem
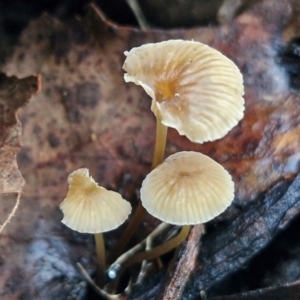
99,291
133,251
100,251
158,156
156,251
128,232
160,143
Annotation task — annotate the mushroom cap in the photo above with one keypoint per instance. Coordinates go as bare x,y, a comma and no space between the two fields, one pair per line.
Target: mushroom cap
194,88
89,208
187,188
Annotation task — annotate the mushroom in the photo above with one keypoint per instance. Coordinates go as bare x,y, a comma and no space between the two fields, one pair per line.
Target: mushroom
188,188
89,208
194,89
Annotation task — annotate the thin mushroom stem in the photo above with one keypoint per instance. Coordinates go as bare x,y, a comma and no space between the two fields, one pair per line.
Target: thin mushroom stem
113,269
140,212
146,265
129,230
160,143
100,251
99,291
156,251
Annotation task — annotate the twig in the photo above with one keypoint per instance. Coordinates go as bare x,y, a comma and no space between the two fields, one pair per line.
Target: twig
138,13
12,212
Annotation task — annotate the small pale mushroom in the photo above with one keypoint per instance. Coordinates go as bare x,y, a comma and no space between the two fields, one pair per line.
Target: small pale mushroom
89,208
194,89
188,188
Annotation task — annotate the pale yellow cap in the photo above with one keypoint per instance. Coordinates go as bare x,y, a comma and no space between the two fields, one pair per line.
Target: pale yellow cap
187,188
194,88
89,208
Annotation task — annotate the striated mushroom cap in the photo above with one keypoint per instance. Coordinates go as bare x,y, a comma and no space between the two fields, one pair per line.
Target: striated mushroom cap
187,188
194,88
89,208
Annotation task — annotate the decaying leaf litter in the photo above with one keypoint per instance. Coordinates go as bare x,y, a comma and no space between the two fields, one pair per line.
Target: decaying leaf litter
86,116
14,93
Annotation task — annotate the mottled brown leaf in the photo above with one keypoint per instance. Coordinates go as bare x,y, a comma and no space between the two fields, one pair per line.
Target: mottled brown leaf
86,116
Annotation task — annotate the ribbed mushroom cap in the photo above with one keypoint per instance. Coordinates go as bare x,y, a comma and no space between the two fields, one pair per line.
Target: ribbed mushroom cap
89,208
194,88
187,188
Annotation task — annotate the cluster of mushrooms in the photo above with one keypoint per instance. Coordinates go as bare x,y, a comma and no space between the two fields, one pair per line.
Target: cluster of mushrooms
199,92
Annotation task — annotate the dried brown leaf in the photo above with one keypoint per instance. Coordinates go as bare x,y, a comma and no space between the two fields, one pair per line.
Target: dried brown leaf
14,93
